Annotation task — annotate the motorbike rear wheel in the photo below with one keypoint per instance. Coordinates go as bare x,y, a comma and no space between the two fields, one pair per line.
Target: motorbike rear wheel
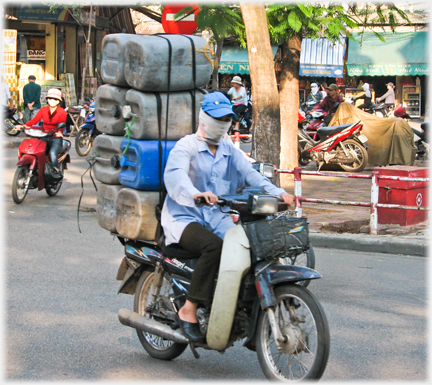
156,346
305,259
83,142
53,190
19,191
361,154
303,323
10,128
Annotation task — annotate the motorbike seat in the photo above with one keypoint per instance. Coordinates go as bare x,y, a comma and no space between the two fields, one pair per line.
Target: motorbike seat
175,251
328,131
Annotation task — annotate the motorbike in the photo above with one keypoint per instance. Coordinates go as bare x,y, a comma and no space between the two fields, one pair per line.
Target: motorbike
12,119
374,109
256,298
311,121
344,145
421,140
33,164
399,112
244,129
87,133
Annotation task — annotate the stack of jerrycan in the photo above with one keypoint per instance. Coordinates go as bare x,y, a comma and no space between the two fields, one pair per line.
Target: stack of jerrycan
151,100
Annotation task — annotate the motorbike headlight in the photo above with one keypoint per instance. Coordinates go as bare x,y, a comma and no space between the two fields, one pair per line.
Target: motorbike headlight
265,169
265,205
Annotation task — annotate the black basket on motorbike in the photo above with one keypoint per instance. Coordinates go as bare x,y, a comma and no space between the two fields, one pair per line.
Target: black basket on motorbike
277,238
52,174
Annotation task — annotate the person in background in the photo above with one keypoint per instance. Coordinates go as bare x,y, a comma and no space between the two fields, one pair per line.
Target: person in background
51,115
6,95
31,95
314,96
323,91
389,97
366,97
248,115
203,165
330,103
238,96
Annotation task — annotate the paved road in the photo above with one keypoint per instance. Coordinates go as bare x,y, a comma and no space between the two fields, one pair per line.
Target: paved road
61,304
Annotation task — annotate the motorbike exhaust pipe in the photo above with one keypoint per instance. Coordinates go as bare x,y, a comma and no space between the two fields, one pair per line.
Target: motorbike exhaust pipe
137,321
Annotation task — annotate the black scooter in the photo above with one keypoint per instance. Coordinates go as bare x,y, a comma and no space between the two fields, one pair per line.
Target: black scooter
12,119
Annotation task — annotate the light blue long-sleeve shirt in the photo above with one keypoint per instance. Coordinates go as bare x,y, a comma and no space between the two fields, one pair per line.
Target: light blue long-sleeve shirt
192,168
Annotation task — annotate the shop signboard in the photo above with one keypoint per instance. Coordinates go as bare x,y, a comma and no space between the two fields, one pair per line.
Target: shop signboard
44,13
35,54
321,70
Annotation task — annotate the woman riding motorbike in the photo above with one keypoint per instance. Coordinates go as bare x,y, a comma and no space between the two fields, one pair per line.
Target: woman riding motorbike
51,115
367,97
202,165
389,97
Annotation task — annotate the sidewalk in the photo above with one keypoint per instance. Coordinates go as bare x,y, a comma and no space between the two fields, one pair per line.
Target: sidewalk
337,226
347,227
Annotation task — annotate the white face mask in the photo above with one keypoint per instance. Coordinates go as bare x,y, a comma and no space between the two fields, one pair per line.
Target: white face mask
314,90
211,130
53,102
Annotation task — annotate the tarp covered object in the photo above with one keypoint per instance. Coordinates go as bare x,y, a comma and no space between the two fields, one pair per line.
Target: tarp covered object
391,140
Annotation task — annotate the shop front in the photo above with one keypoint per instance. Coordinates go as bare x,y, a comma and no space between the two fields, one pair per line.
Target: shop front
321,61
235,61
401,59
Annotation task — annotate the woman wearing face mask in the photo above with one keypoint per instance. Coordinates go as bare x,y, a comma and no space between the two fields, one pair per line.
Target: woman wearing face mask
367,97
204,165
51,115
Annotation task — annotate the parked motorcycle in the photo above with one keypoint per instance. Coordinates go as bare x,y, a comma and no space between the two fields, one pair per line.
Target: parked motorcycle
421,140
87,133
256,298
33,165
343,145
12,119
311,121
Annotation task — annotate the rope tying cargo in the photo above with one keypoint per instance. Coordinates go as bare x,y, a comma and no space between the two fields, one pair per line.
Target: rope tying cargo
128,133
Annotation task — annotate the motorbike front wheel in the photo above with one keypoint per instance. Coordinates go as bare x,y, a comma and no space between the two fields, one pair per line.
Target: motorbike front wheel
10,128
359,152
83,142
19,189
302,321
156,346
53,189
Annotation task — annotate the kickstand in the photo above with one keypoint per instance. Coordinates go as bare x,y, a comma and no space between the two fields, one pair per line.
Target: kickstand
194,352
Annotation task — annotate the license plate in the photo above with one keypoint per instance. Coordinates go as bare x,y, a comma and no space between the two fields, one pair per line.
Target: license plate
362,138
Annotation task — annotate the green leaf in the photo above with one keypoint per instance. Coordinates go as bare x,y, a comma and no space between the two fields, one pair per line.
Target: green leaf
294,21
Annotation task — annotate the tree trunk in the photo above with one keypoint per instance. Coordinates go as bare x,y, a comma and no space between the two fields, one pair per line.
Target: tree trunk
218,55
266,114
86,56
289,101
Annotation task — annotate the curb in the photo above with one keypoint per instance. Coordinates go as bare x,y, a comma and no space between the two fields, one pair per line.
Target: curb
375,244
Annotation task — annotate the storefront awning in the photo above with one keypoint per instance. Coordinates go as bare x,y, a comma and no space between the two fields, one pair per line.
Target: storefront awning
402,54
321,58
235,60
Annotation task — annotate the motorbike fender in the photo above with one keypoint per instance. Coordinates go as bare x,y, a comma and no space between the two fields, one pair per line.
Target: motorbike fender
273,273
27,159
129,272
235,263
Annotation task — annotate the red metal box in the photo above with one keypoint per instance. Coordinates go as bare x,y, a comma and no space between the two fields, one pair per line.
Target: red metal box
404,193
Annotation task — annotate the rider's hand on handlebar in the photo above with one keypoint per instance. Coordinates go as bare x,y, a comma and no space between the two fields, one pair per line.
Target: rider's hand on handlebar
287,198
208,196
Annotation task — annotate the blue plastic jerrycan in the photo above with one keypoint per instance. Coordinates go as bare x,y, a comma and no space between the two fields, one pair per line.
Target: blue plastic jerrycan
141,161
